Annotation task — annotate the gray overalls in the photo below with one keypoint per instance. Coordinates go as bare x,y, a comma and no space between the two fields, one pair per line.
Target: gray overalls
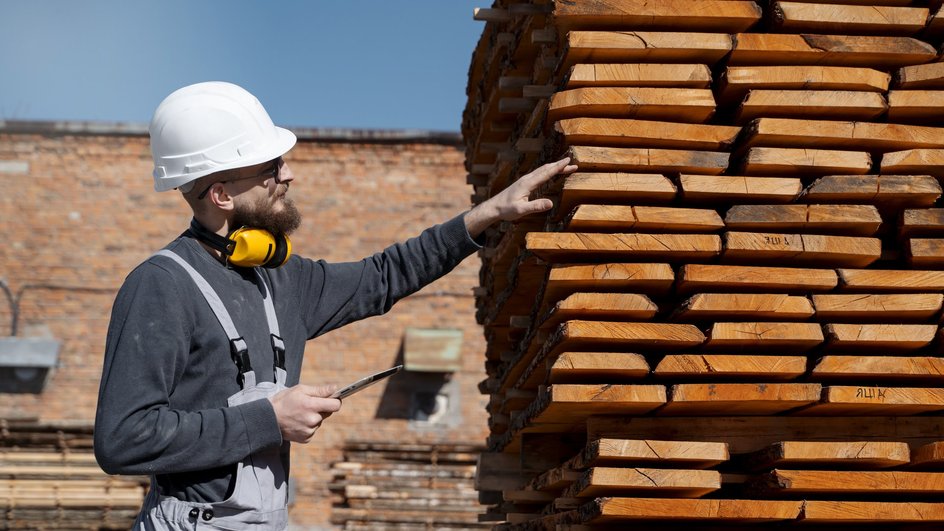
260,496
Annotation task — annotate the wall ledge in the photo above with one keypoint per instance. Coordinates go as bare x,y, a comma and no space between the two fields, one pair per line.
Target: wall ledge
325,134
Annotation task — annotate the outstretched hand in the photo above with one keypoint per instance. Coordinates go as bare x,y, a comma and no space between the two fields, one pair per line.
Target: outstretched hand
515,201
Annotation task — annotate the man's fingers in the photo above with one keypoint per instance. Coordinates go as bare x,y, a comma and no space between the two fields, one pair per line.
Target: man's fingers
545,172
538,205
560,163
539,177
552,168
320,391
324,405
318,397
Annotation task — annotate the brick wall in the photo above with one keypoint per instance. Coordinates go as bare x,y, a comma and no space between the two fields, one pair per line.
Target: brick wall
80,212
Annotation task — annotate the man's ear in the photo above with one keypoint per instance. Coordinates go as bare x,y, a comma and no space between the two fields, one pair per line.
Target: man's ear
220,198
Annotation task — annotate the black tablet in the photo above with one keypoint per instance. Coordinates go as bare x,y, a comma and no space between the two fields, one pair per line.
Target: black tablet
365,382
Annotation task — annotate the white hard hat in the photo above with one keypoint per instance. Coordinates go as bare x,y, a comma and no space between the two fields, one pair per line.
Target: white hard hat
209,127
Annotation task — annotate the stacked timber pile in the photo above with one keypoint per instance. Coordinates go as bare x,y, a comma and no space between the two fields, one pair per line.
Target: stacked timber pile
732,314
49,480
384,486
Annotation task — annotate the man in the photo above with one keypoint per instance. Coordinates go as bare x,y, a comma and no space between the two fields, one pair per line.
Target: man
200,384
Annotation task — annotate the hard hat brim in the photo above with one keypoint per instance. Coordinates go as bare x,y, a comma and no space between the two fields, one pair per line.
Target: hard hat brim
285,140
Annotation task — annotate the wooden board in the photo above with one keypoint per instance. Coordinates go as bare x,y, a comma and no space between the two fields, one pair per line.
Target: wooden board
601,306
619,336
900,3
788,162
874,337
724,278
623,132
677,483
27,456
614,188
48,471
826,104
753,49
683,105
642,278
860,400
639,75
677,367
596,367
614,510
925,252
571,403
915,161
918,106
570,246
890,280
879,368
833,134
554,480
625,218
645,47
801,17
900,190
498,471
922,222
836,251
732,189
898,307
818,483
930,455
416,516
745,434
735,82
920,77
51,498
830,454
739,399
878,512
686,15
641,160
934,29
850,220
627,452
797,337
753,306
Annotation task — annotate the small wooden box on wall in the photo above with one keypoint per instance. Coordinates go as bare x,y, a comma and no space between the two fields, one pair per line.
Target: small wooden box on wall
432,349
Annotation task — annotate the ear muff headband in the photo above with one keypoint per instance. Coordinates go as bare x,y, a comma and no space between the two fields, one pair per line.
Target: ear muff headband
247,247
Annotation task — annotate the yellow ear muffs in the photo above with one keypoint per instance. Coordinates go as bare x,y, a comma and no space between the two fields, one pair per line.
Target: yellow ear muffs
258,247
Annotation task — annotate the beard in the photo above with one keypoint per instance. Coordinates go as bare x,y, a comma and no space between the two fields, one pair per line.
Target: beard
261,215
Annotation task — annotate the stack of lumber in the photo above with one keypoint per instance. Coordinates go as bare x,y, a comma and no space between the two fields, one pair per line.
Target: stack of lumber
49,480
389,486
732,314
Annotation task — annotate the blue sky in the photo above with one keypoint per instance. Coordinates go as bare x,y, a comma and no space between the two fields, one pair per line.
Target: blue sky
382,64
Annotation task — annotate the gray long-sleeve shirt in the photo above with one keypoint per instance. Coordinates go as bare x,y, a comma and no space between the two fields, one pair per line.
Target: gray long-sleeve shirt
168,372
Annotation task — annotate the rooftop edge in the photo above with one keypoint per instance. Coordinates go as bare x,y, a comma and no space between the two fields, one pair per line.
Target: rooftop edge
327,134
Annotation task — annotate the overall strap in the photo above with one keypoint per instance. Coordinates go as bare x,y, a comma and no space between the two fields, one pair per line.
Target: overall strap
278,346
239,349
